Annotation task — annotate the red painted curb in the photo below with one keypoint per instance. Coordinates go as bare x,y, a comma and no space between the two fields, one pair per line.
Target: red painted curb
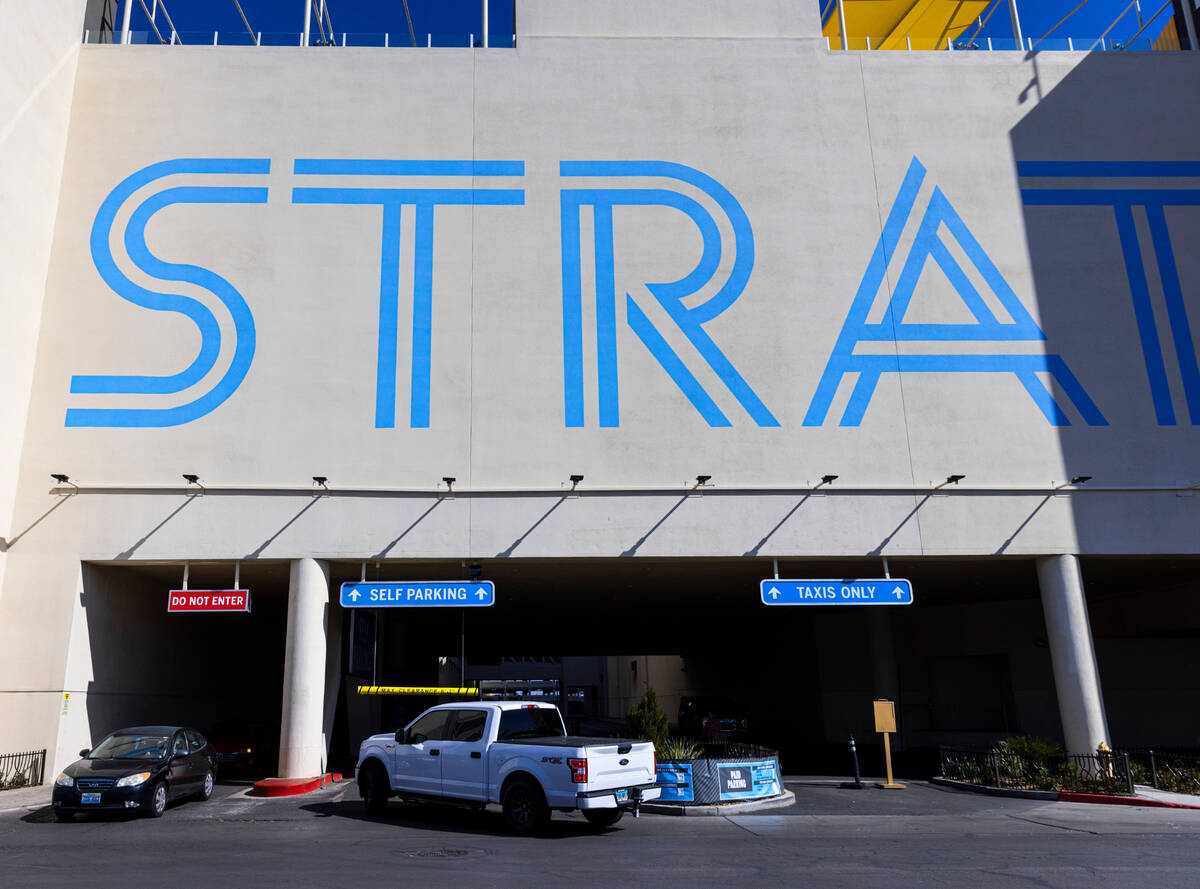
1064,797
292,786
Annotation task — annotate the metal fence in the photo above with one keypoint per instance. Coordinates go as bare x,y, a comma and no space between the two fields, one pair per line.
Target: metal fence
22,769
1109,773
1174,770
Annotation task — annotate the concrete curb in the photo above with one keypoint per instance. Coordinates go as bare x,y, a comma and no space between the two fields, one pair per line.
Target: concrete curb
1061,796
782,801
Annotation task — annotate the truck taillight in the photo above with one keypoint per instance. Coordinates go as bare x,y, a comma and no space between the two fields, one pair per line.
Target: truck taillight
578,770
654,771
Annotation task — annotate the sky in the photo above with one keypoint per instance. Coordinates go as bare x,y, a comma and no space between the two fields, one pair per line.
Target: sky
463,17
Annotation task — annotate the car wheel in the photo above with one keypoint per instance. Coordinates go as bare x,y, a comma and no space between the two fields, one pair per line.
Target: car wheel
206,787
375,791
158,800
525,809
602,818
64,816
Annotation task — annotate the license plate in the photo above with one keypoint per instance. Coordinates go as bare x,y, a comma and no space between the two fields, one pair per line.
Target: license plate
86,798
622,796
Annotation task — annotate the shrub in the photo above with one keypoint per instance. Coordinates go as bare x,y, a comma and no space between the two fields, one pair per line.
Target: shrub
678,749
647,719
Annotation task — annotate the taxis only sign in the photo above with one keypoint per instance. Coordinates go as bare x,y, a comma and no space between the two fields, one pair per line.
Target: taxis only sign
208,600
858,591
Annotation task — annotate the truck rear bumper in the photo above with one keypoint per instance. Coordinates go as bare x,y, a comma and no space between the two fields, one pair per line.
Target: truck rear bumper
607,799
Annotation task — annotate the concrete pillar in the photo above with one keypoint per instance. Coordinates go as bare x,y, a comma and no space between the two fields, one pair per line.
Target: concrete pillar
301,742
1076,676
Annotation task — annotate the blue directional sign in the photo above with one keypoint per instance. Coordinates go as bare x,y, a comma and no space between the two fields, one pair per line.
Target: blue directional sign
419,594
868,591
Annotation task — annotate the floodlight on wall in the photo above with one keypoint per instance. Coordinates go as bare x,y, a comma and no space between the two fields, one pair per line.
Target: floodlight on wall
1075,480
950,480
828,480
193,479
320,480
449,480
576,478
702,480
63,479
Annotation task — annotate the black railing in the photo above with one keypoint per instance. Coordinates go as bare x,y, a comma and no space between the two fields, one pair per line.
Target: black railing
1107,773
1174,770
22,769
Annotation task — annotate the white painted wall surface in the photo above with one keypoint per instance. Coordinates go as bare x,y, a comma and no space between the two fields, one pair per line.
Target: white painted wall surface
37,77
813,145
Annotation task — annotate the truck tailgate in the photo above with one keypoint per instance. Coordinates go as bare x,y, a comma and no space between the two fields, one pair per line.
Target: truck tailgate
610,768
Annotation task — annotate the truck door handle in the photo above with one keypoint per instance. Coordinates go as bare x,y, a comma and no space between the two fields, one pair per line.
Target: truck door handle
435,753
475,754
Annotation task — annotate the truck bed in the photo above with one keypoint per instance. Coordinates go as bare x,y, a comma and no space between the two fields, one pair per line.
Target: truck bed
574,741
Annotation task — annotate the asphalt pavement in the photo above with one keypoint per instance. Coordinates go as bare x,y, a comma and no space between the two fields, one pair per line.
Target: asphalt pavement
922,836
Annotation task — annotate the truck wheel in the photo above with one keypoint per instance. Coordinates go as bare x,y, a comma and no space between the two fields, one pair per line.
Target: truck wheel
602,818
525,809
375,791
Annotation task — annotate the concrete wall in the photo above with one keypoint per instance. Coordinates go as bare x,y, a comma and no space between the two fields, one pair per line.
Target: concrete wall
37,77
813,146
666,18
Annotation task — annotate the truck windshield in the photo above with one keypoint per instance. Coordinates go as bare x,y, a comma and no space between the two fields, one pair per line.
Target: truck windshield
540,722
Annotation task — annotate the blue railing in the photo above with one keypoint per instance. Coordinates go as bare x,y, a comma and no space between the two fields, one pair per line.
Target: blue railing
167,37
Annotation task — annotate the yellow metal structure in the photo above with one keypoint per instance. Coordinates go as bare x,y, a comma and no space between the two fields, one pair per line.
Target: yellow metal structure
891,24
417,690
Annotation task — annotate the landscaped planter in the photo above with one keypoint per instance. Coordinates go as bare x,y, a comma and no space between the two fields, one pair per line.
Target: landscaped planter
720,779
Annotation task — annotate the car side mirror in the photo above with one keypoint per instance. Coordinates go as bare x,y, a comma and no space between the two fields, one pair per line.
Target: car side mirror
84,752
401,736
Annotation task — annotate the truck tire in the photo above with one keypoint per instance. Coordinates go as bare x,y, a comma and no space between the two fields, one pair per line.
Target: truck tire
375,790
602,818
525,809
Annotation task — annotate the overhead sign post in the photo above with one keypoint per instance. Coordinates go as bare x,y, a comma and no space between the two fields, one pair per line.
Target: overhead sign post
419,594
208,600
868,591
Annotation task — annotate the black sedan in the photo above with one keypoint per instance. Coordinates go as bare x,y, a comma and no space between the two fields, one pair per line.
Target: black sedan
137,770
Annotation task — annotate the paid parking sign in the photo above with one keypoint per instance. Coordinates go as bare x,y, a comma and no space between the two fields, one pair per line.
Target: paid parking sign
419,594
871,591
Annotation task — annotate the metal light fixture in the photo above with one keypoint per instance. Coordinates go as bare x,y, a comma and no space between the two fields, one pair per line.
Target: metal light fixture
702,480
1081,479
63,479
449,480
950,480
193,479
576,478
320,480
828,479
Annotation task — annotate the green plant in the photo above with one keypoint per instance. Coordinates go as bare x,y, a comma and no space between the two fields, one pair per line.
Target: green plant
1030,748
672,748
647,719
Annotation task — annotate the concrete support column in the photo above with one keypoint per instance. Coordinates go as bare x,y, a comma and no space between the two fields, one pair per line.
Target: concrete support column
301,739
1076,676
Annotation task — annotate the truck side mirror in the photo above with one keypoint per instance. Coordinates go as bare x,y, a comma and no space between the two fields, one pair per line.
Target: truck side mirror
401,736
84,752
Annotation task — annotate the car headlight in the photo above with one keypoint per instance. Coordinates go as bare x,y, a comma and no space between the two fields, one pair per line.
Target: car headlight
133,780
249,749
65,780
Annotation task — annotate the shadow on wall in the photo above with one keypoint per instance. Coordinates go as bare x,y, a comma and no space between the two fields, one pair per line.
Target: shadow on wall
151,667
1109,169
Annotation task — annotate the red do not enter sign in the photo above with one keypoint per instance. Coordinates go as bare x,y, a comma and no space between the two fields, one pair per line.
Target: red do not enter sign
208,600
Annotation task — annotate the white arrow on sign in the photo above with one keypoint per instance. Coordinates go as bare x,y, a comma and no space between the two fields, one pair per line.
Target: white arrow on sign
774,594
482,594
898,592
354,594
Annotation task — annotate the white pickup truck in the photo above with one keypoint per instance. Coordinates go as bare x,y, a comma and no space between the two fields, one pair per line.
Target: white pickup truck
516,754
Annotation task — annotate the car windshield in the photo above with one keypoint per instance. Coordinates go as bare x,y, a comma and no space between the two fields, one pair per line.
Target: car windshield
131,746
540,722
